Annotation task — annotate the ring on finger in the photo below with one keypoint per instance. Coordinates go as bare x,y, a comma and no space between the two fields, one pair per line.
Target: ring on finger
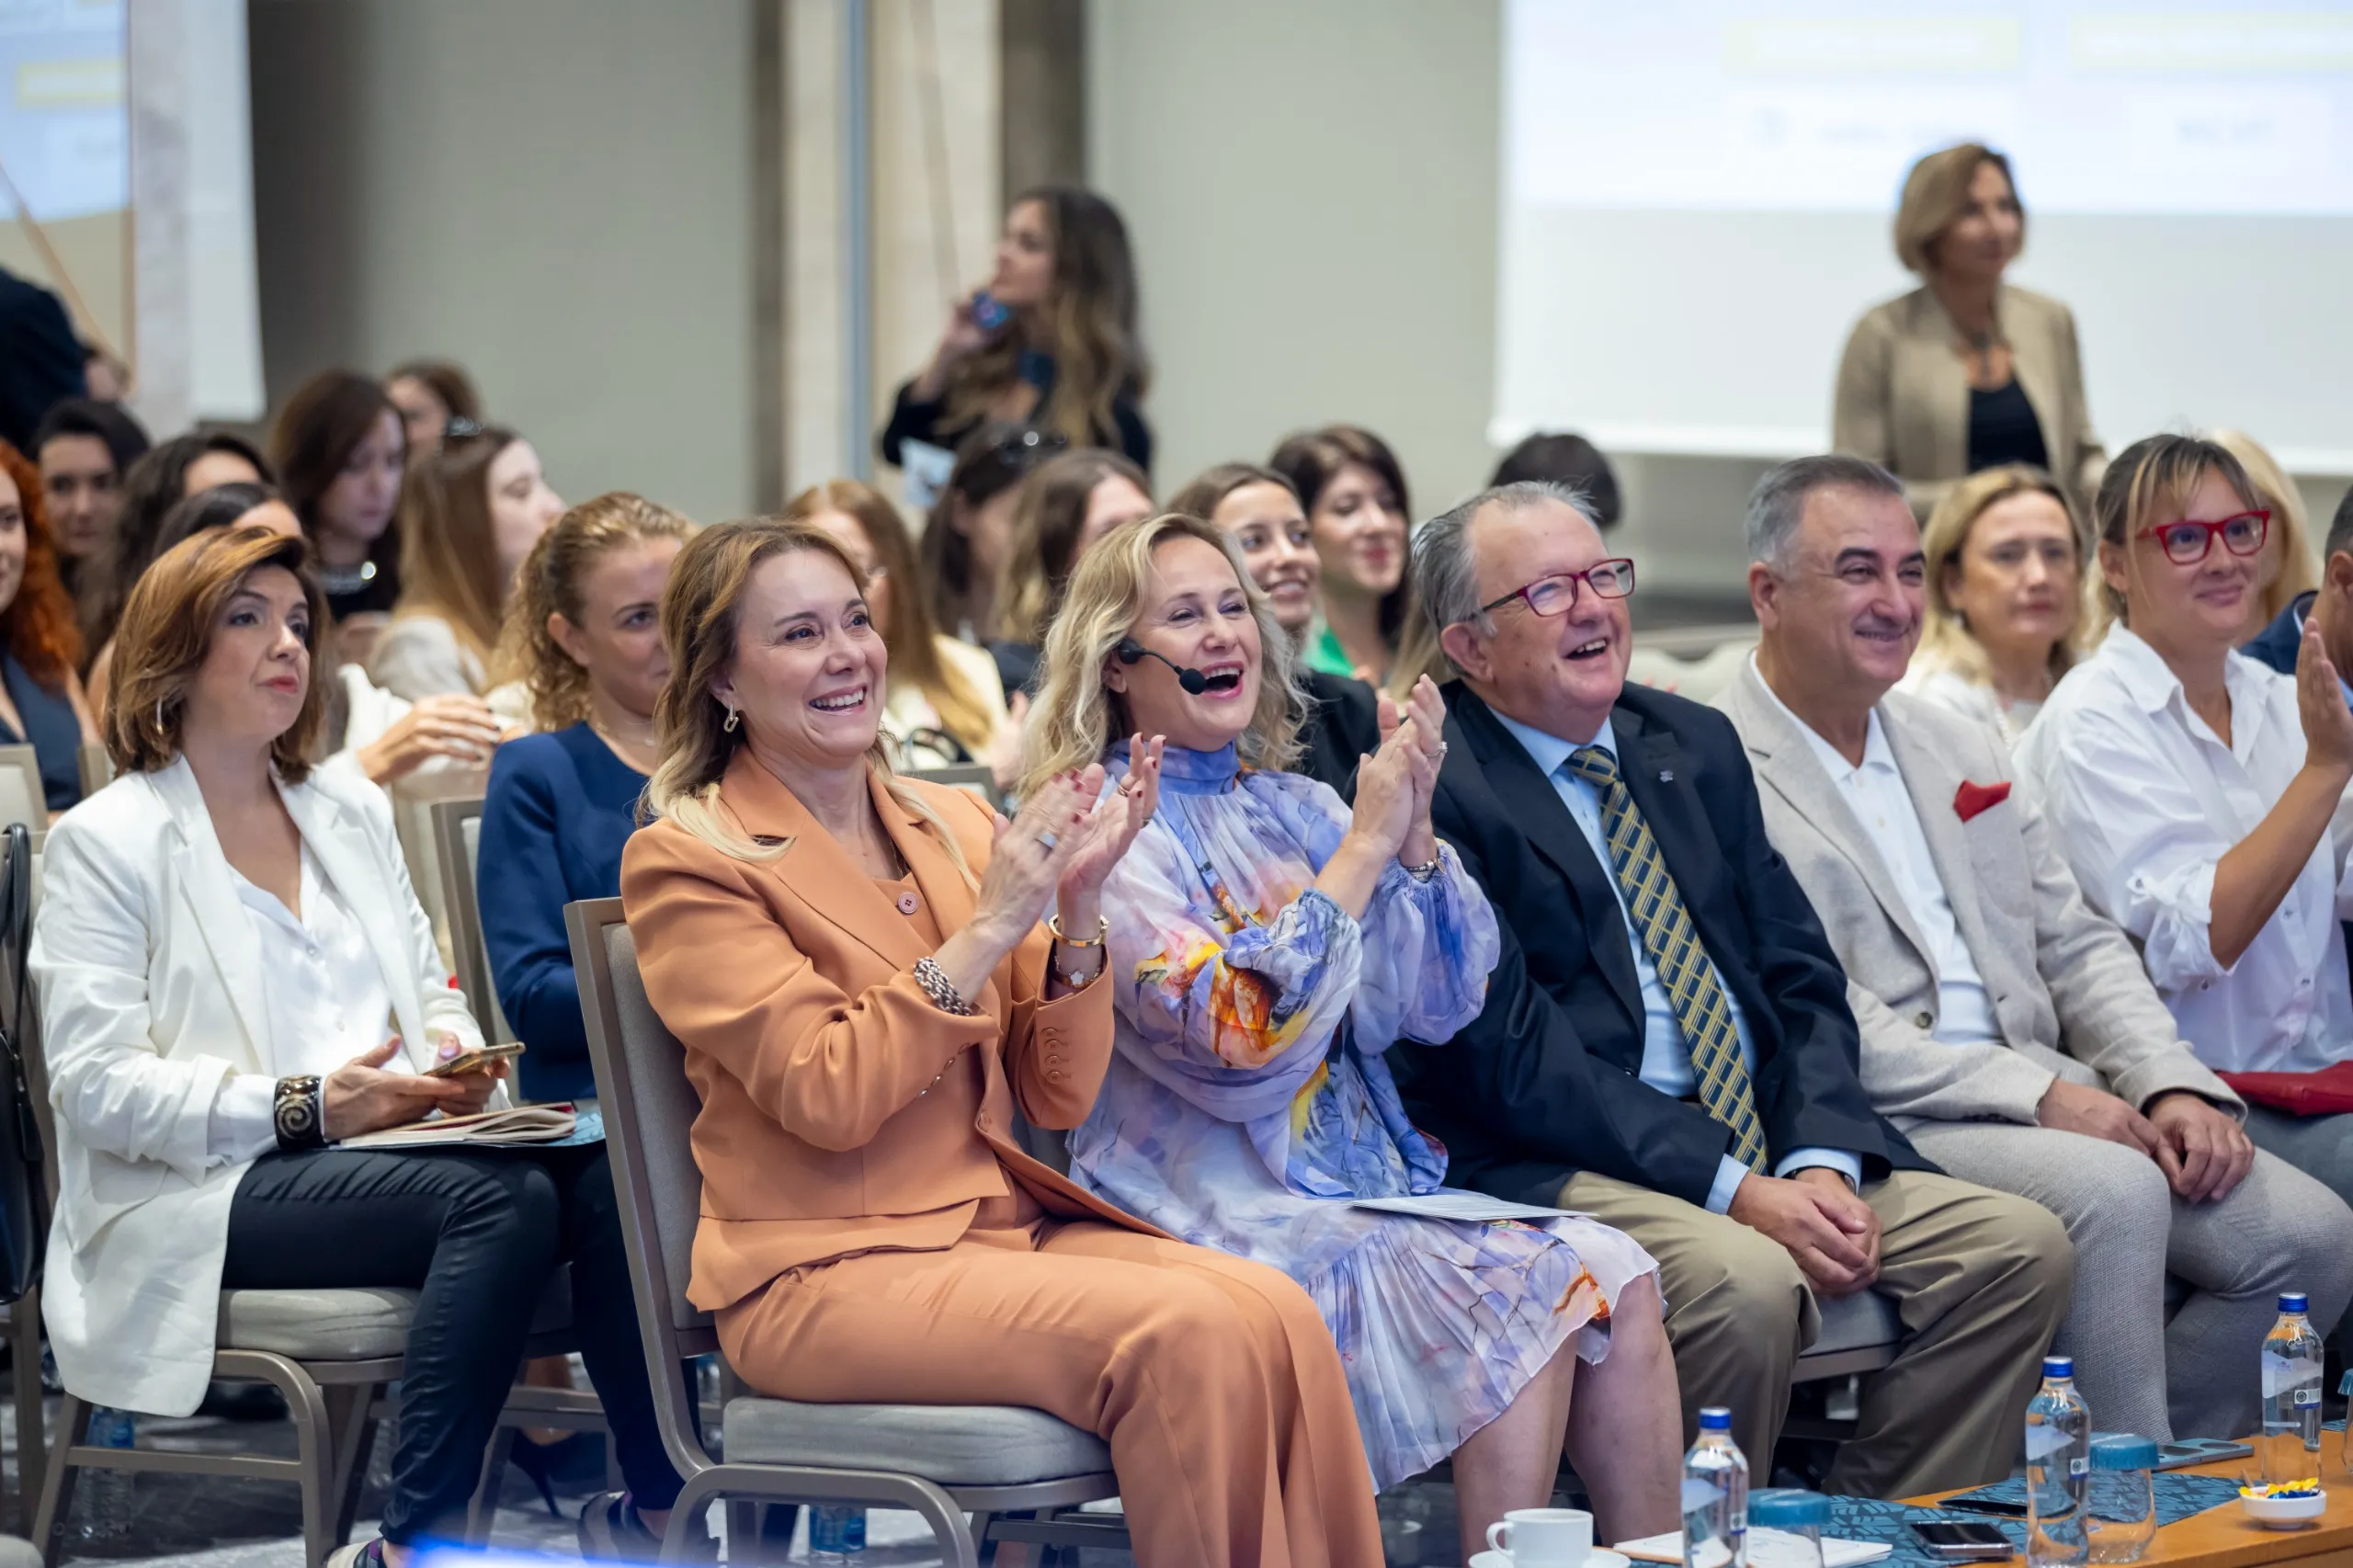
1046,840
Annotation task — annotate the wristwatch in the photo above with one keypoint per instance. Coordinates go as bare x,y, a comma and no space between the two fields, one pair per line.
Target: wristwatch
298,1113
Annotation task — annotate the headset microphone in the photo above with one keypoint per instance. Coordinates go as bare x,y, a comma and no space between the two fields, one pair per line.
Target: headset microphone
1192,680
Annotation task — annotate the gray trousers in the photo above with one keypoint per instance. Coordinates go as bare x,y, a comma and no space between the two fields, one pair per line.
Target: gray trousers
2191,1373
2321,1147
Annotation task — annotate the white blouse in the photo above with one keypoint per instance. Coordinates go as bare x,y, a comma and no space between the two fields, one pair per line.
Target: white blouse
2144,800
326,998
1955,693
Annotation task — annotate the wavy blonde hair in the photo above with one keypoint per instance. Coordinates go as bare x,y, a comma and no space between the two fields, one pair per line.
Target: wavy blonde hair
2299,572
1077,716
699,616
549,583
1946,642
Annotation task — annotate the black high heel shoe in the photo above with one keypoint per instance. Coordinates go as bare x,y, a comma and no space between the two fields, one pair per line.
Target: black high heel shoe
546,1463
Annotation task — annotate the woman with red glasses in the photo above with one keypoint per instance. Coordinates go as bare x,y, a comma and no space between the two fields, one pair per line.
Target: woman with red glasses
2192,790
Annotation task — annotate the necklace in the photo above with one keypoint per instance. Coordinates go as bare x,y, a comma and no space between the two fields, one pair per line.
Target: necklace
641,745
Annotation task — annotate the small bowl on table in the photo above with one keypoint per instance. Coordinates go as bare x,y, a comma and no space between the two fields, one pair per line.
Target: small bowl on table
2283,1509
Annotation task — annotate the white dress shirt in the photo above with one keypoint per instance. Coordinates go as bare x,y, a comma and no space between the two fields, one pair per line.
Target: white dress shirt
326,1000
2145,799
1666,1055
1874,790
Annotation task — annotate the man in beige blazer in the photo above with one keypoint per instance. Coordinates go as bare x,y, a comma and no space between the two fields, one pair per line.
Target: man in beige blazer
2007,1028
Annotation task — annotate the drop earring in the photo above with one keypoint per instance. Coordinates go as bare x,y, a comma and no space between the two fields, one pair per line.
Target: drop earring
733,720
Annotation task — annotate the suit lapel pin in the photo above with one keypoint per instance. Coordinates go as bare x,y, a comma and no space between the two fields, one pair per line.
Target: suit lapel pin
1666,776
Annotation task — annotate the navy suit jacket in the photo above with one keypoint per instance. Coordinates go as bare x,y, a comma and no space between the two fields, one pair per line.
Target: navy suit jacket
558,810
2276,643
41,359
1546,1083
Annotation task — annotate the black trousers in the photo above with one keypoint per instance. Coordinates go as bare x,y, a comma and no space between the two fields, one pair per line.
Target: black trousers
476,1232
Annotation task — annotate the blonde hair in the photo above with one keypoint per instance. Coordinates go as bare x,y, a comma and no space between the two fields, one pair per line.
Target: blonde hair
1946,642
549,584
910,636
699,626
1077,717
1935,193
449,546
2154,473
2298,573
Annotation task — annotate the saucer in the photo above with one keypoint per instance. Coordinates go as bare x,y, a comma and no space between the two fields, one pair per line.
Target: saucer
1599,1557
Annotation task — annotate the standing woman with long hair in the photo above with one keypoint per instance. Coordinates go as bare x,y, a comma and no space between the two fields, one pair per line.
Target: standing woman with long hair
584,635
1050,341
41,696
339,446
943,703
473,507
1354,490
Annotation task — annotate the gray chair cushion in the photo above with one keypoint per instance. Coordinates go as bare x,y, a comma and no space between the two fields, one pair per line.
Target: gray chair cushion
1856,1322
359,1325
952,1445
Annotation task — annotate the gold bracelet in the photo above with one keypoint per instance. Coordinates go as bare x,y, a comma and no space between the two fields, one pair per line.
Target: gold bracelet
1102,929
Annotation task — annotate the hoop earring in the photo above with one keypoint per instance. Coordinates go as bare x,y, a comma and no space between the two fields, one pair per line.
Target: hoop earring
159,713
734,719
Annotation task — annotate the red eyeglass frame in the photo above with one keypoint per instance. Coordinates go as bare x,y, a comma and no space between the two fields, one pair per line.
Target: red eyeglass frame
2262,515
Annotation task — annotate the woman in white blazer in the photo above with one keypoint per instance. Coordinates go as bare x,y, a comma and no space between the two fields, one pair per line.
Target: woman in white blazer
224,934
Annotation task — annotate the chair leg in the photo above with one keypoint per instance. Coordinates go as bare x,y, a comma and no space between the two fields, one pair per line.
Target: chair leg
744,1542
32,1442
483,1507
57,1481
351,1434
314,1434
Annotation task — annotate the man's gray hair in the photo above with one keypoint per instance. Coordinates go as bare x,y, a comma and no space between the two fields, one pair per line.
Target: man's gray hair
1778,501
1446,569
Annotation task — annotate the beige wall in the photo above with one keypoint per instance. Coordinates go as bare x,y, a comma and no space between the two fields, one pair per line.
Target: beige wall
557,193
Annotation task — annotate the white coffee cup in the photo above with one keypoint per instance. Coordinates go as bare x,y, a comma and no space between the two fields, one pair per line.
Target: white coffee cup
1543,1538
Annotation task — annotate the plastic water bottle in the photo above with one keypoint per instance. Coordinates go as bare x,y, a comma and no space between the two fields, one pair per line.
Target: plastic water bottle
1715,1496
107,1500
836,1534
2291,1358
2058,1467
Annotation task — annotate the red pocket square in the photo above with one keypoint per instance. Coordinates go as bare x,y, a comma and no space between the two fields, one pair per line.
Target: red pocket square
1972,799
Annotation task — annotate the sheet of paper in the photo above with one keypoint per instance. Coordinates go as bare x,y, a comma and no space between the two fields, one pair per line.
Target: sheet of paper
1766,1549
1474,1207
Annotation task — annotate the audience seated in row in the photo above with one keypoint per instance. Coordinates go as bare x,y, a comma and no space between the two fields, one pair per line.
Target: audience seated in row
83,449
430,394
2285,570
41,702
1067,506
944,702
869,1004
166,475
584,636
2007,1028
1247,1104
1667,1043
340,447
1357,513
969,531
223,933
471,507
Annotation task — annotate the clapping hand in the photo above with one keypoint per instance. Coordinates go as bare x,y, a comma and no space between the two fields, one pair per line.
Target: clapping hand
1422,724
1111,826
2320,702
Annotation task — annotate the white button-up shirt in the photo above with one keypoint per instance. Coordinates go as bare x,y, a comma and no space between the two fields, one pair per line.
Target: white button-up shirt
327,1004
1666,1055
1874,792
2145,799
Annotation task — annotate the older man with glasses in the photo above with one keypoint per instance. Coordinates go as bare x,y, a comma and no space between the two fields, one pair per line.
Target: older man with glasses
1666,1042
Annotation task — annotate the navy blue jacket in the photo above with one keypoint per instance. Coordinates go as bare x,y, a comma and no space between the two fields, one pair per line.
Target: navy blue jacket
41,359
559,809
1547,1082
2276,643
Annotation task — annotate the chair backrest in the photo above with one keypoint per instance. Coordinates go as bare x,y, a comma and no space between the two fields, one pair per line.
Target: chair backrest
22,797
97,767
649,1108
457,847
414,798
972,776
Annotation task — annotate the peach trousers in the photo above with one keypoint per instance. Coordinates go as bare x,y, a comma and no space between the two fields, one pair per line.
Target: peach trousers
1214,1381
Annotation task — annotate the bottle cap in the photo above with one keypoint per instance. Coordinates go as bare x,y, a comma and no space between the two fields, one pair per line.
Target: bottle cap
1715,1418
2294,1302
1787,1507
2120,1451
2058,1365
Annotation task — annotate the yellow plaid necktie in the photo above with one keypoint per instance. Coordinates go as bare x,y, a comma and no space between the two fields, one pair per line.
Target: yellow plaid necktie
1692,990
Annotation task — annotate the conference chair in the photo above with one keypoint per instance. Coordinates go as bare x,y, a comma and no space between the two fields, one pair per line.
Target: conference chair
456,825
942,1462
972,776
95,767
414,798
22,797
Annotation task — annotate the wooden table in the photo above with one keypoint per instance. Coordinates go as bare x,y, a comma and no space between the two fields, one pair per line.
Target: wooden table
2226,1538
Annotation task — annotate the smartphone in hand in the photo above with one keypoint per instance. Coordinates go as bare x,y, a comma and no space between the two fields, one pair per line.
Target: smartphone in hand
475,1060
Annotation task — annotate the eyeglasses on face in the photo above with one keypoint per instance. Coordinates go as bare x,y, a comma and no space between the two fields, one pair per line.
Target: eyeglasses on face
2190,541
1556,594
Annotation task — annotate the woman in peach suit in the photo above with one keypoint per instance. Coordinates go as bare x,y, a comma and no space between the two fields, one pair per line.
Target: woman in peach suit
855,964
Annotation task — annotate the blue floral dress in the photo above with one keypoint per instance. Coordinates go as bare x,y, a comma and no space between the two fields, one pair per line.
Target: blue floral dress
1247,1102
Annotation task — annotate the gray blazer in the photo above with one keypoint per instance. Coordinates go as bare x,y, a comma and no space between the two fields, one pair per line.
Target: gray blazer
1902,394
2066,984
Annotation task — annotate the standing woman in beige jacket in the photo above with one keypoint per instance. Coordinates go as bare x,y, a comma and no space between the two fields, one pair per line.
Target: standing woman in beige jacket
1966,371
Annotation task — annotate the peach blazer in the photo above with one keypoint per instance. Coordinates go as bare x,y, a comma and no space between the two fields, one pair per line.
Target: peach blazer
842,1110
